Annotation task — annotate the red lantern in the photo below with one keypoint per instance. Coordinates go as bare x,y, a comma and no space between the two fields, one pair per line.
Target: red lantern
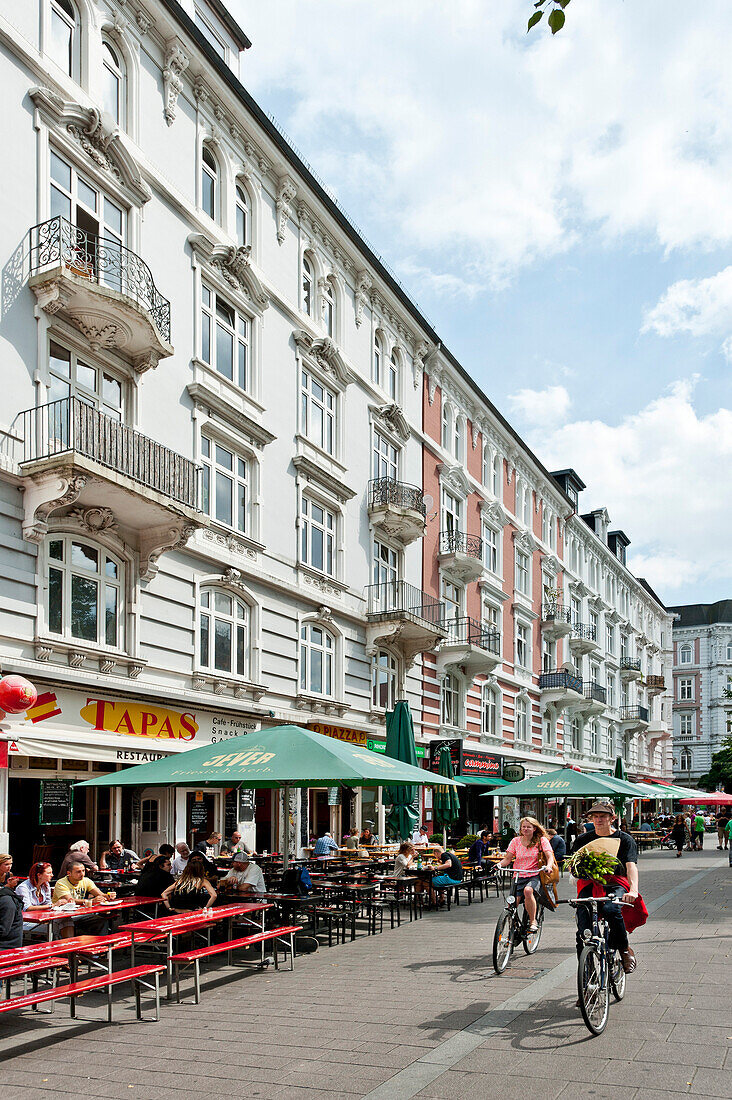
17,694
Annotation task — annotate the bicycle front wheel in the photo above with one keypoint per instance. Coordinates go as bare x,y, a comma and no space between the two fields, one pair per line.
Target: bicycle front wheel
592,988
531,939
502,943
617,976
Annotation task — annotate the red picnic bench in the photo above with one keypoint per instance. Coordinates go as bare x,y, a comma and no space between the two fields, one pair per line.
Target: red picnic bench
284,935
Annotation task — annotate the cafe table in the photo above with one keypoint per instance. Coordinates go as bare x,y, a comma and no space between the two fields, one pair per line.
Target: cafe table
50,916
33,953
197,921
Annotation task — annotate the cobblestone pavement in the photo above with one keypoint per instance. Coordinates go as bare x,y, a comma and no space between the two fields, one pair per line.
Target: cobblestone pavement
418,1011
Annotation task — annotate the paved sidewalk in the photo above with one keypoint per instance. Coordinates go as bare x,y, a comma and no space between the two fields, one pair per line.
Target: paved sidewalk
419,1012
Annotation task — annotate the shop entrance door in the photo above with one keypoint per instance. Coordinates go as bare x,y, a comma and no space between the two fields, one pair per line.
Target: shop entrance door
200,816
153,818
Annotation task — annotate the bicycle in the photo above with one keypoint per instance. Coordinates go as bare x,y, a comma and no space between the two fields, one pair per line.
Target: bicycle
600,968
511,927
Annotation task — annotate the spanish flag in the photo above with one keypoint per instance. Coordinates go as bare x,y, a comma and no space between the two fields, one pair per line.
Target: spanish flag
46,707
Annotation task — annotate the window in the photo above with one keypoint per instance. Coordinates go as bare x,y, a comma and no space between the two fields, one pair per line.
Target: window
686,727
523,562
446,418
451,512
71,376
329,307
149,815
307,286
85,592
497,475
316,660
624,648
686,689
521,728
610,688
485,467
392,382
523,645
575,734
225,488
490,548
729,651
610,639
384,673
594,626
210,35
93,214
450,701
491,700
550,732
527,506
318,412
209,182
63,45
378,364
385,458
113,83
548,654
491,617
545,525
243,216
594,737
386,564
224,338
685,655
318,527
452,598
686,760
457,438
223,633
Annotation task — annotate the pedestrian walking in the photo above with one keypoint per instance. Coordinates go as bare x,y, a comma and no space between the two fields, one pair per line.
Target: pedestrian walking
722,823
699,827
678,834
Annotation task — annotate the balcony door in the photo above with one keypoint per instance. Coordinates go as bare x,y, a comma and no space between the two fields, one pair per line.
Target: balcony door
385,462
451,513
92,234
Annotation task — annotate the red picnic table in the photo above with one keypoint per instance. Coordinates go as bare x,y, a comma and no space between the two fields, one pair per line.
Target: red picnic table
47,915
199,919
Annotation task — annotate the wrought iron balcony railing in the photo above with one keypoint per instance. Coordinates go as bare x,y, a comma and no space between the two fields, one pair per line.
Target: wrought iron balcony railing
102,260
634,714
72,425
466,631
656,683
594,691
556,612
584,630
387,490
567,681
457,542
631,664
399,598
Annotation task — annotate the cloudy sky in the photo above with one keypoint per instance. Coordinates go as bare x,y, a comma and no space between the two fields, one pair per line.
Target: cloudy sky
561,210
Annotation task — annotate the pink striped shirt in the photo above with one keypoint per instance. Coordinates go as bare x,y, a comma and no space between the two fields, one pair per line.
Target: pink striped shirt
526,860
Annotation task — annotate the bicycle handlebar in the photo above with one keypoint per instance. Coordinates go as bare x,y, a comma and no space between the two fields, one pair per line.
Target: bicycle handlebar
591,901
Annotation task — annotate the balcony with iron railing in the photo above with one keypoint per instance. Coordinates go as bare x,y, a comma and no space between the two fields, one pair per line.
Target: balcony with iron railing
635,716
560,688
71,453
403,617
398,510
461,555
630,668
104,289
556,620
656,685
470,646
583,638
595,697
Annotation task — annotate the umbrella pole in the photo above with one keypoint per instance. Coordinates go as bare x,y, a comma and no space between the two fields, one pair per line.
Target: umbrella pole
286,821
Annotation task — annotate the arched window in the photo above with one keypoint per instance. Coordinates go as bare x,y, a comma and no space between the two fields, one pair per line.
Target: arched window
378,363
491,700
329,307
223,632
392,382
113,82
575,734
209,182
446,422
64,36
686,760
497,475
243,217
85,592
457,438
317,649
521,730
485,467
450,701
685,655
307,286
384,676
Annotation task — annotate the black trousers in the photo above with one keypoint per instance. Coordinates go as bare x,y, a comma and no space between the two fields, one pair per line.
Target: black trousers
612,913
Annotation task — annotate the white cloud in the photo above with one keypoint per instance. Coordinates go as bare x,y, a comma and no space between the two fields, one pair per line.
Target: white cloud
665,475
473,149
700,307
550,405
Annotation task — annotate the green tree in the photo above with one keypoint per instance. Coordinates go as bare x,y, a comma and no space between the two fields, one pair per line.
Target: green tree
720,771
555,18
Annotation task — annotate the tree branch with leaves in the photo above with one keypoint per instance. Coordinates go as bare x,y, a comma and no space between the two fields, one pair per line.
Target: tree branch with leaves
555,19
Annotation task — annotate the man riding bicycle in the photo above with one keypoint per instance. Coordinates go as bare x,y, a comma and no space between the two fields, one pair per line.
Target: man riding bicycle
622,883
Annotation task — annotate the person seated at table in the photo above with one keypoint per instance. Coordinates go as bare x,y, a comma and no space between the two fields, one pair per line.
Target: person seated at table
155,877
35,891
77,853
420,837
75,888
236,844
404,859
11,906
325,846
192,890
646,826
117,857
367,837
507,835
351,839
558,846
449,871
180,859
245,877
479,849
209,847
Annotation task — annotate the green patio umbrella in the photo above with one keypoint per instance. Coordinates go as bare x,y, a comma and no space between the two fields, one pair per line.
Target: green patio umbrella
620,773
400,746
565,782
283,756
446,802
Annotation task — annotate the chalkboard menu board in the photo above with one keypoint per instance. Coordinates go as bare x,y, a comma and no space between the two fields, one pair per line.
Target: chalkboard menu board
246,805
199,815
230,819
57,802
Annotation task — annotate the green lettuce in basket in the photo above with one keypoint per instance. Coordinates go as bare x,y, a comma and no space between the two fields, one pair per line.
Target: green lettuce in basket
591,865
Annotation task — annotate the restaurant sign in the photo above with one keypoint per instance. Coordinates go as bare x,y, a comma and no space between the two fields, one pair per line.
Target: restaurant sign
466,760
514,773
380,746
341,733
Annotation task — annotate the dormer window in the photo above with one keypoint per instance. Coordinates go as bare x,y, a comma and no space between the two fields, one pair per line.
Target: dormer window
210,35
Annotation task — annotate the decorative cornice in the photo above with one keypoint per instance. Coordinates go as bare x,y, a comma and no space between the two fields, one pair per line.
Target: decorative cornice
203,397
393,418
325,353
235,265
364,283
313,473
286,192
176,61
493,512
455,480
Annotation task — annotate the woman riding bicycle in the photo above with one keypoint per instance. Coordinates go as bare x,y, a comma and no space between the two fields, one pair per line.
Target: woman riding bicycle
523,853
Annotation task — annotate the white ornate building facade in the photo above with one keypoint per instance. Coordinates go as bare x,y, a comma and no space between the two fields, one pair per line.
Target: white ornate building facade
215,451
702,712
